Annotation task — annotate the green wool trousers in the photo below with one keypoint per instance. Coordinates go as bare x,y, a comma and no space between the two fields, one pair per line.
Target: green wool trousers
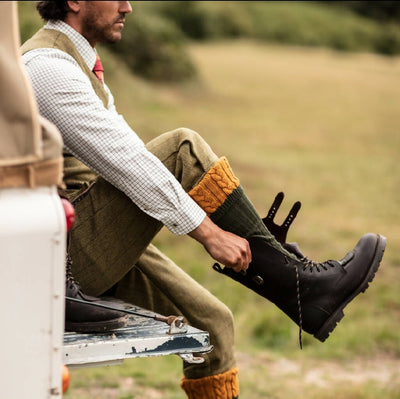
111,246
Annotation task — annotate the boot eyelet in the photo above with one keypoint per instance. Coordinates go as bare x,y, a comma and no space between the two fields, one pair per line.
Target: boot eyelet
258,280
286,260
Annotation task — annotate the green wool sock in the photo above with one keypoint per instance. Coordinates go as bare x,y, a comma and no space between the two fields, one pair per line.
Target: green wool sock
219,193
238,215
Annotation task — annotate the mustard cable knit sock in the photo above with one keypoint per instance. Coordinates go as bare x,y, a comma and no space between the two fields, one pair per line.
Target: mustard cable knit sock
220,195
220,386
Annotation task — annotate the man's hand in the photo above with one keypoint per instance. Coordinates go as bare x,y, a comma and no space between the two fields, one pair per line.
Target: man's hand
227,248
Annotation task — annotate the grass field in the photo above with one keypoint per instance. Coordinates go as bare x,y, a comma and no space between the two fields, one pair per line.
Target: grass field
324,128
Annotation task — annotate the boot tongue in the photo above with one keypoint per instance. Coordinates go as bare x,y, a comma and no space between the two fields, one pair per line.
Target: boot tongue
294,248
348,257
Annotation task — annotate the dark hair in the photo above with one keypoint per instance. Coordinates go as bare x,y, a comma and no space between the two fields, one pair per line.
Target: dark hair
52,9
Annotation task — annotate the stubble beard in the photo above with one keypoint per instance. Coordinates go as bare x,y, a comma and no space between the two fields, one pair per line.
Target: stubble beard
101,33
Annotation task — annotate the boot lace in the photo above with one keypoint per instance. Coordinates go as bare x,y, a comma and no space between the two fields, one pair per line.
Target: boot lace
299,307
310,265
70,281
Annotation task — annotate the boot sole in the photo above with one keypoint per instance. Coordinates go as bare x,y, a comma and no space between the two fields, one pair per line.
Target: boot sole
97,327
323,333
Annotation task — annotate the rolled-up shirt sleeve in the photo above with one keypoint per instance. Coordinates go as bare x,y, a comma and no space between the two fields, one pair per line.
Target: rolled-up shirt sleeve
101,138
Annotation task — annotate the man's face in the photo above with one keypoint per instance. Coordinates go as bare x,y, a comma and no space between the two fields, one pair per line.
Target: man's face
103,21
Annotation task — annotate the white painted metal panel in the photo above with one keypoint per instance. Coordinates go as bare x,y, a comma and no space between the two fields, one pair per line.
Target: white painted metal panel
32,253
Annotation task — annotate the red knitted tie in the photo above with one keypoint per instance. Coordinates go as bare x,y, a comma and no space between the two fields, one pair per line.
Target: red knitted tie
98,69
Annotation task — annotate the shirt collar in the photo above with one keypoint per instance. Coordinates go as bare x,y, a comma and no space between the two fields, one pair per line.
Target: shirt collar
87,52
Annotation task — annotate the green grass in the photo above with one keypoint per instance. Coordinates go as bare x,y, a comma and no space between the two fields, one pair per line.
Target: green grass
323,127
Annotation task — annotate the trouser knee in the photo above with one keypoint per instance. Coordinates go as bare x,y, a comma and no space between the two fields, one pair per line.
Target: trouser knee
185,154
220,325
186,134
222,322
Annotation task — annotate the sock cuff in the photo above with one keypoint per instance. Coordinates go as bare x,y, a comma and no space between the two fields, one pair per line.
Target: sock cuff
215,186
219,386
234,198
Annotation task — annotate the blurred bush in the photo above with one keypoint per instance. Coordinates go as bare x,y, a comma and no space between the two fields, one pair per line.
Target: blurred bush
29,19
382,10
314,26
208,20
300,23
154,47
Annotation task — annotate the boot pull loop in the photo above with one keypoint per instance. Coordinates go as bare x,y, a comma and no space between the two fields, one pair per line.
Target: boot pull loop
280,232
217,267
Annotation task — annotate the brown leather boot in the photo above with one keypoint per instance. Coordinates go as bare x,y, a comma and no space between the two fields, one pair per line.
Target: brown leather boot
312,294
81,317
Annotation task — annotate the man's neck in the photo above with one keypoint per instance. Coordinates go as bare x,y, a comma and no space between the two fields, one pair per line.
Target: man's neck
74,24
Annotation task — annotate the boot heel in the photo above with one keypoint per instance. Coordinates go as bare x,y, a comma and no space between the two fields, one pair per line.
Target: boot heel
323,333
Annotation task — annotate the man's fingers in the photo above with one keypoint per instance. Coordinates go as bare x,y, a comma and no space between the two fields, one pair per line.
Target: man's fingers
226,248
237,269
243,261
248,256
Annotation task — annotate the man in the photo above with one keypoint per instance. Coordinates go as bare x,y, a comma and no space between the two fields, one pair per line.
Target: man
124,192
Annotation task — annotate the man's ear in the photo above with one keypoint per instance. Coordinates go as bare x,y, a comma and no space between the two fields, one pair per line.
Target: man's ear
74,6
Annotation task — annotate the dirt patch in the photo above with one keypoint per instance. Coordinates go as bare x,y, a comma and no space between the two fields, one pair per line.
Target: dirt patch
324,373
127,386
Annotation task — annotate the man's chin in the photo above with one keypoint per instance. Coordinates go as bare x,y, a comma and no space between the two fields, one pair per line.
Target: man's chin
110,39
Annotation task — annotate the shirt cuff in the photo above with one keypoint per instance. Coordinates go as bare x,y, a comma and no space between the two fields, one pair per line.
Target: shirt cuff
186,219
